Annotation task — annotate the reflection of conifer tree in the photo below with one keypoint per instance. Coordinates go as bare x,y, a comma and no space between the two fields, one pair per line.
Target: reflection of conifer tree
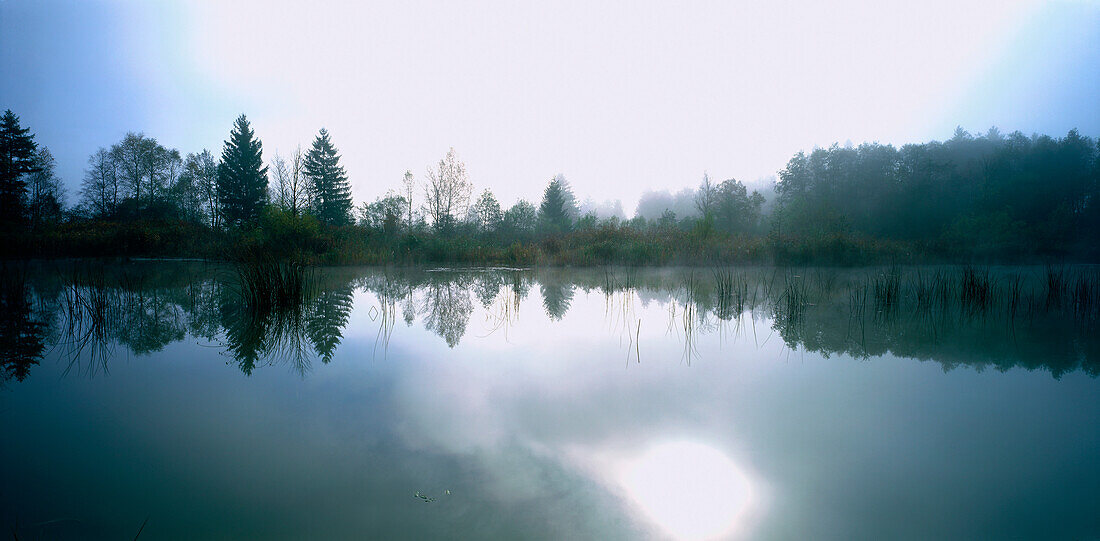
253,334
556,297
290,330
447,310
22,336
326,318
245,331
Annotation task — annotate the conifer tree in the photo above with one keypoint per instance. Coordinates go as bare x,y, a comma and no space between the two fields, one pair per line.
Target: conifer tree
17,158
242,176
331,192
559,206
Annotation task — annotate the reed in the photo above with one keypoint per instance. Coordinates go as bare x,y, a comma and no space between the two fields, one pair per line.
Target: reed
267,284
1056,282
1014,295
1085,296
732,293
976,289
886,288
794,299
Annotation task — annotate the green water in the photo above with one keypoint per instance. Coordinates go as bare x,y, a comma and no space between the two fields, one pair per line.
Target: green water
548,404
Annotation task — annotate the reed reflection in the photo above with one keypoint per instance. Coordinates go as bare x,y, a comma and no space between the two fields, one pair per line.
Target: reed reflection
273,314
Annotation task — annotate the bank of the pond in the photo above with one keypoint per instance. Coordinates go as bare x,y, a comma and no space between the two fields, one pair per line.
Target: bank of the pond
608,244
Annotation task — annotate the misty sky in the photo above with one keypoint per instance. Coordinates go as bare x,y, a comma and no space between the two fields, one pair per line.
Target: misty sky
621,97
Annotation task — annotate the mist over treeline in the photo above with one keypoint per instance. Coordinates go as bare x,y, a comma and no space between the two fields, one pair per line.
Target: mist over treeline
988,192
994,195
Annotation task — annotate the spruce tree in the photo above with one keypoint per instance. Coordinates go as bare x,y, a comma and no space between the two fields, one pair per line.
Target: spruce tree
331,190
559,206
242,176
17,158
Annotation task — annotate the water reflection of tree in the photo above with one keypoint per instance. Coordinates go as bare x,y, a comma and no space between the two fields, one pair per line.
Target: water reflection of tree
487,287
520,287
203,306
252,335
326,318
849,320
145,308
291,332
22,332
150,320
447,308
557,294
408,307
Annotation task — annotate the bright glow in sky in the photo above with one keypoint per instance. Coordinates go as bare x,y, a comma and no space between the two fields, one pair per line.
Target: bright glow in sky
621,97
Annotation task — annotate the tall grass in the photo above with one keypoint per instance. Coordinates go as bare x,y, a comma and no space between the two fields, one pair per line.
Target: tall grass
267,284
931,292
886,287
732,293
976,289
1056,286
793,301
1085,296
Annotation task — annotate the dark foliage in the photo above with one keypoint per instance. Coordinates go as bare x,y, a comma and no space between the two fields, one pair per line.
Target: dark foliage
989,195
22,332
242,176
17,158
559,207
330,190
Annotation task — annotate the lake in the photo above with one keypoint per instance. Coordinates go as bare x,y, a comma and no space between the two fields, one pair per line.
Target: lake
160,400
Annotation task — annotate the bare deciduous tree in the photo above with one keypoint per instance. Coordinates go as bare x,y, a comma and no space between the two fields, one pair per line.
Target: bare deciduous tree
197,191
706,197
101,189
45,194
290,191
410,186
447,191
280,173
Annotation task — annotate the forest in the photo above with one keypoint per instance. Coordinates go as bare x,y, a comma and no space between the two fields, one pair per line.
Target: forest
992,197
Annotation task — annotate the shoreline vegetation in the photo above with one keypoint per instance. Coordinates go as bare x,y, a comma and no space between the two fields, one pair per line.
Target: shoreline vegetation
985,199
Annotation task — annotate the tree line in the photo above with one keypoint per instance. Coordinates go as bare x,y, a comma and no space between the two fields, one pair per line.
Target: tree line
991,193
139,178
30,193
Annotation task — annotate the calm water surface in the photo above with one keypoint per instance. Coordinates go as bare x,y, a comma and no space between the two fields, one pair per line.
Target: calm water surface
556,404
